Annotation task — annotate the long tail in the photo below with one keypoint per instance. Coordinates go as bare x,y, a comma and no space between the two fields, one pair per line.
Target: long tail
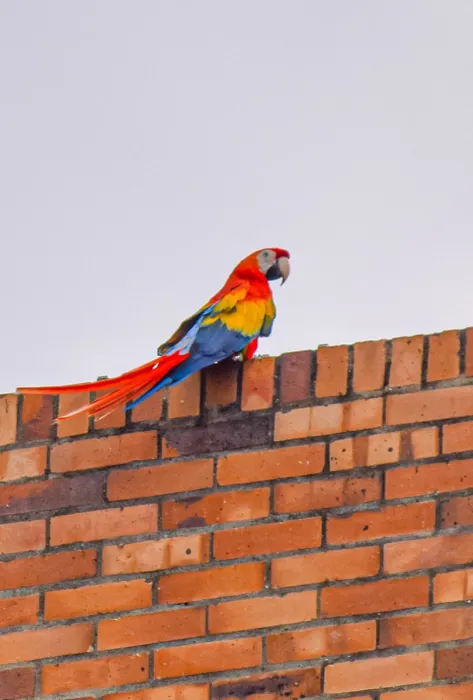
125,388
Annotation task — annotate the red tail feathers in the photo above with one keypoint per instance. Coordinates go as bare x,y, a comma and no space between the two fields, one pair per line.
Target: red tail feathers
125,388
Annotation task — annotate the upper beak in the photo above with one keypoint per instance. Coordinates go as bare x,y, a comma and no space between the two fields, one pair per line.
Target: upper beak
284,268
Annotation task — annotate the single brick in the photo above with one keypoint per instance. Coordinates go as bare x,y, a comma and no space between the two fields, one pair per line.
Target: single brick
318,567
43,643
458,437
258,384
326,420
209,657
406,361
298,683
217,582
151,628
379,596
22,537
265,539
221,384
453,402
94,600
77,425
453,585
37,415
253,613
195,691
426,628
37,496
17,683
454,663
49,568
369,366
267,465
184,398
390,521
318,494
221,507
433,692
300,645
385,672
151,409
103,524
25,463
455,512
156,481
444,356
8,418
295,377
332,371
155,555
104,672
429,479
103,452
18,611
428,553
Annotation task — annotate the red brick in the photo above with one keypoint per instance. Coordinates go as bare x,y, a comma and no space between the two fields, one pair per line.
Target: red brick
115,419
77,425
406,361
43,643
156,481
217,582
390,521
49,568
197,691
437,692
151,409
264,539
221,507
21,464
253,613
444,356
103,452
94,600
258,384
37,415
318,494
427,628
17,683
8,419
386,672
379,596
455,663
184,398
104,672
429,479
210,657
332,371
267,465
298,683
151,628
428,553
469,353
22,537
318,567
458,437
457,511
325,420
295,375
369,366
453,585
18,611
438,404
300,645
103,524
155,555
221,384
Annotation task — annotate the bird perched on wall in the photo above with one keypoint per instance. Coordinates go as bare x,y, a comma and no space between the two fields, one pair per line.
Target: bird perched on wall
228,325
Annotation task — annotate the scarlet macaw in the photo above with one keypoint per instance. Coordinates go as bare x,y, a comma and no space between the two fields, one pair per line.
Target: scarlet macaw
228,325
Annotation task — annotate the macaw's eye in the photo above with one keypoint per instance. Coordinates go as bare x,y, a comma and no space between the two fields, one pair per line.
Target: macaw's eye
266,254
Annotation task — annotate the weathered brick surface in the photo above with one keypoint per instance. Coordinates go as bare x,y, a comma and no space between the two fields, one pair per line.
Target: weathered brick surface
294,539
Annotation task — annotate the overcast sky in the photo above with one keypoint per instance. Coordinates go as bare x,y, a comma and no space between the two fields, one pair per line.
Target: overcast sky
146,146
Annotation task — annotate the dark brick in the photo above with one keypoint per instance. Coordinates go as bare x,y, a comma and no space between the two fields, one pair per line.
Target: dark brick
53,494
295,376
251,430
221,383
17,683
455,663
37,415
297,683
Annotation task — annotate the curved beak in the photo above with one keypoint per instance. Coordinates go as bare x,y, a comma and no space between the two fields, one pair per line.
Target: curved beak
284,269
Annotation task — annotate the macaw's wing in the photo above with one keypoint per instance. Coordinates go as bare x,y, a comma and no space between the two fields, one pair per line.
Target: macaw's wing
223,302
267,326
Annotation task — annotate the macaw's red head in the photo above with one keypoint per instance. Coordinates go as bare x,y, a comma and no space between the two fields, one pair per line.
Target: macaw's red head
273,263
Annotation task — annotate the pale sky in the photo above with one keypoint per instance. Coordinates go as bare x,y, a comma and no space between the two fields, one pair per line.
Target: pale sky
146,146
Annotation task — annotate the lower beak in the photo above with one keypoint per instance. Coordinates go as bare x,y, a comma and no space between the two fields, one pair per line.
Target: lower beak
284,269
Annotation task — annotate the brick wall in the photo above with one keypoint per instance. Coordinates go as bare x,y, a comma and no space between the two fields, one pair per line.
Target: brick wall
300,528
